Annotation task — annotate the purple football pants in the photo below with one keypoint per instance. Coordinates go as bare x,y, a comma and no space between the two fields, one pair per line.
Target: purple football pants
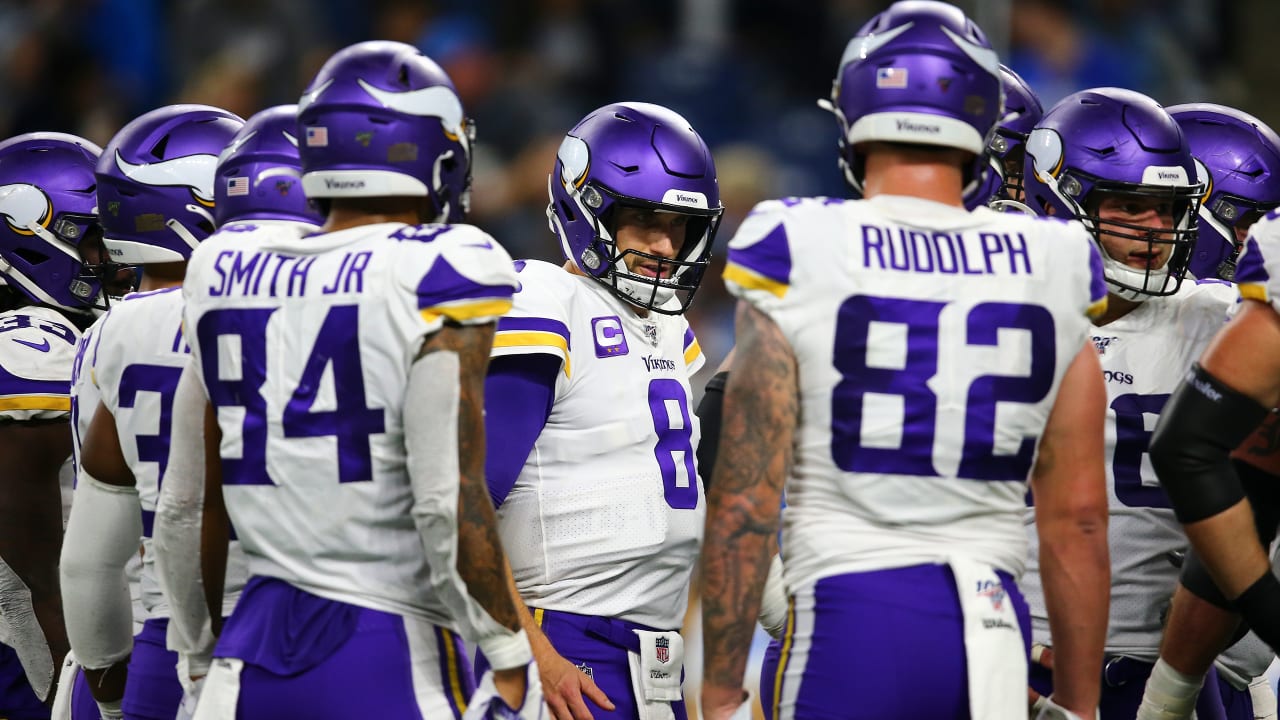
881,645
599,647
1123,681
17,700
310,657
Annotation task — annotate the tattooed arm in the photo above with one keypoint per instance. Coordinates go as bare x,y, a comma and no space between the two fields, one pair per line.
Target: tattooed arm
761,411
444,437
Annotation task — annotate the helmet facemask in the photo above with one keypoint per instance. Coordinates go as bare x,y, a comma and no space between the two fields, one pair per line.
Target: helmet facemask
1138,284
678,277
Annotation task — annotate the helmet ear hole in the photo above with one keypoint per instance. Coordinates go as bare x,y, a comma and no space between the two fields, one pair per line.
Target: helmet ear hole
567,210
30,256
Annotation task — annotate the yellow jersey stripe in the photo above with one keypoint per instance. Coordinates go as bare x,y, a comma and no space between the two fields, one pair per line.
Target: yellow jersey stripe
451,664
537,616
784,655
534,338
36,402
1097,309
1253,291
751,280
461,312
692,352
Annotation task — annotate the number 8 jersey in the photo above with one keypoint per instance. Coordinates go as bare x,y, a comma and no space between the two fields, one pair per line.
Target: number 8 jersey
605,517
304,347
930,343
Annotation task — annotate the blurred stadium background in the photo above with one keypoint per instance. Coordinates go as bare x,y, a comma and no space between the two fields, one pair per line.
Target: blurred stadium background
746,73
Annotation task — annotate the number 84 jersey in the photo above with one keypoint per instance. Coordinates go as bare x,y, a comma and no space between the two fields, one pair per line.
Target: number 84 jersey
930,345
1144,356
606,515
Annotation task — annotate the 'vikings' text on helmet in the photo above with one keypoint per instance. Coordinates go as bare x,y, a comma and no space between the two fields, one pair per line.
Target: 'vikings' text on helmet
920,73
381,119
1111,141
644,156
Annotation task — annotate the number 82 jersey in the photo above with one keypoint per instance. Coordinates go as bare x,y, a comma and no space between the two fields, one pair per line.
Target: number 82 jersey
930,345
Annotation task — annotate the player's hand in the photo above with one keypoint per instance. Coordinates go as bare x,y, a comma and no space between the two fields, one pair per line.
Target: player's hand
721,703
190,698
514,694
566,689
1046,709
1042,655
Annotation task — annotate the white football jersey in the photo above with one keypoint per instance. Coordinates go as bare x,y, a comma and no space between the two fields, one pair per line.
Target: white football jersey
606,517
930,344
1258,270
305,346
137,355
1144,355
37,349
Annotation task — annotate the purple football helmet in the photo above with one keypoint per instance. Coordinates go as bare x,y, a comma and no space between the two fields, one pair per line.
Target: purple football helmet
259,175
920,73
155,182
637,155
1022,110
1114,141
48,206
381,119
1242,157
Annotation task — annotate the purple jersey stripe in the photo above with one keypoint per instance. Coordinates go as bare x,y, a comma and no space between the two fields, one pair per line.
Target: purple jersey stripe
689,339
1097,276
14,385
770,257
442,284
536,324
1252,269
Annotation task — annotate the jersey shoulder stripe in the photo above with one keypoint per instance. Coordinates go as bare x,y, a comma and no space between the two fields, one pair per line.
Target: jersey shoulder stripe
533,335
760,254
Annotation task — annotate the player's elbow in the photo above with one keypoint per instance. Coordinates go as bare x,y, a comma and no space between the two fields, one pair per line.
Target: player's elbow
1080,512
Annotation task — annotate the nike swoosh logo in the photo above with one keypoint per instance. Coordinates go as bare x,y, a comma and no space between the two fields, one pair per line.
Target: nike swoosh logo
486,245
42,347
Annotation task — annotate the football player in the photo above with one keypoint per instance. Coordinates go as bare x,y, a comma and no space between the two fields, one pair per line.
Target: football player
49,222
155,188
1224,398
343,429
599,501
875,339
1117,162
257,182
1022,110
1242,157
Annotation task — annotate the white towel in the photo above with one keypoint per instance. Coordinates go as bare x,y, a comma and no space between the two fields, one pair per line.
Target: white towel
221,693
993,643
655,673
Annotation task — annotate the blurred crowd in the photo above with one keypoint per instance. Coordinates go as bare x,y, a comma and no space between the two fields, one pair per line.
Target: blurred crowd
746,73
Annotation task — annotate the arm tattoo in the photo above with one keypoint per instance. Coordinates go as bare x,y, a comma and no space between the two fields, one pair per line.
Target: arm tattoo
1266,439
481,560
761,411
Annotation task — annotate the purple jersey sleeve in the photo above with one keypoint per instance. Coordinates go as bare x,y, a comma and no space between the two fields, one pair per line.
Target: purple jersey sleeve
518,394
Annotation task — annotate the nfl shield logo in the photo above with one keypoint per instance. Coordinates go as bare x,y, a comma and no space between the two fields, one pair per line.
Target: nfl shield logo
651,332
661,649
